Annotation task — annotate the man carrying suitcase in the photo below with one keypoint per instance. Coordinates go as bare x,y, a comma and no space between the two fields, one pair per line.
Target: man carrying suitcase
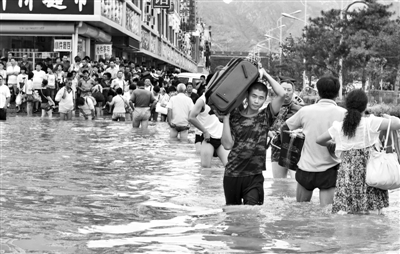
245,134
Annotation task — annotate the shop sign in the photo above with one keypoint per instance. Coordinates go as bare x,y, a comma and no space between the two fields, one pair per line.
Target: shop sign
62,45
166,4
69,7
112,9
103,50
145,43
132,21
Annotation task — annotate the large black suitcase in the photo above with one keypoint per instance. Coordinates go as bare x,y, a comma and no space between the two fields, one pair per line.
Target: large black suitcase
227,88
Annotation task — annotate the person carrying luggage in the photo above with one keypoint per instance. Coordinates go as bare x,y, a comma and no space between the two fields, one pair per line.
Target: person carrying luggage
245,132
316,167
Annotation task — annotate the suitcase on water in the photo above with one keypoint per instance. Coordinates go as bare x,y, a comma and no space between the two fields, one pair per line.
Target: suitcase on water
291,147
227,88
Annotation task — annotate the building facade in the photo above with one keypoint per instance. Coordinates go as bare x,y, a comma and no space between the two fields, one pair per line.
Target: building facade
147,32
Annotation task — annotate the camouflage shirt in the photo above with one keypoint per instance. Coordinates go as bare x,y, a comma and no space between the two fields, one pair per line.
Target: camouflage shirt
248,153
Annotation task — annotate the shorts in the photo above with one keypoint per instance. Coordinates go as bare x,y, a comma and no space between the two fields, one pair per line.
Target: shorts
275,153
46,106
3,114
248,188
118,117
181,128
141,114
198,138
216,143
321,180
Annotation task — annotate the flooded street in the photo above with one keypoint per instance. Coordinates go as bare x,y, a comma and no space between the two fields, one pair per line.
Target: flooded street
102,187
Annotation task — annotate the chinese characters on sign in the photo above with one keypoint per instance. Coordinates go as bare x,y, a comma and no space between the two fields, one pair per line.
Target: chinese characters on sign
112,9
162,4
132,21
48,6
54,4
103,50
62,45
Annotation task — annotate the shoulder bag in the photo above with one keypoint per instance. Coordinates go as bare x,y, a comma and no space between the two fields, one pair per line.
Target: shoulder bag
383,169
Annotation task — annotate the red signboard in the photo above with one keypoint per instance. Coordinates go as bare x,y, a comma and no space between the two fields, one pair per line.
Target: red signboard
64,7
162,4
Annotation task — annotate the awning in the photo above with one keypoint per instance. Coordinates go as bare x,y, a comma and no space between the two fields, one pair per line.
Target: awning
35,28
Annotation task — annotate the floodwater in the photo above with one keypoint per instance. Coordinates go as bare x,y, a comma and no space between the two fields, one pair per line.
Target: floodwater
102,187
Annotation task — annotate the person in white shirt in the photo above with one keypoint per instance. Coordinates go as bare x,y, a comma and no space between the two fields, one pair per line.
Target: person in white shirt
66,97
28,91
119,82
164,98
179,107
4,99
147,85
12,72
38,77
119,104
22,79
51,82
86,107
113,70
212,129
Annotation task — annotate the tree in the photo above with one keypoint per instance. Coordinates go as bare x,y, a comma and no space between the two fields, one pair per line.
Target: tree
361,36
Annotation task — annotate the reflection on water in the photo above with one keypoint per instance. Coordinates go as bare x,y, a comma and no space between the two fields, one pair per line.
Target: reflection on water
102,187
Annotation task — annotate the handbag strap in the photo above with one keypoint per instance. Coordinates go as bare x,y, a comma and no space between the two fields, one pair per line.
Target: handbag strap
387,134
392,137
126,104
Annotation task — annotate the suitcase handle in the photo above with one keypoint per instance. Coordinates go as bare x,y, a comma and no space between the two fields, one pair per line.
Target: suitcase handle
222,97
244,71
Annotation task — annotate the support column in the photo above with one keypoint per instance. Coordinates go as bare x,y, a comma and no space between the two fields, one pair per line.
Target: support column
87,44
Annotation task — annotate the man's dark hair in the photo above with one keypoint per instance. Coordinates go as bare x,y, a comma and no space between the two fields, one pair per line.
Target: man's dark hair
30,75
45,82
119,90
101,60
77,59
70,74
107,74
258,86
85,71
328,87
112,59
140,83
156,89
132,87
80,101
23,68
202,76
189,84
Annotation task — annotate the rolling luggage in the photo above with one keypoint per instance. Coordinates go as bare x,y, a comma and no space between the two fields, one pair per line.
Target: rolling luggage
227,88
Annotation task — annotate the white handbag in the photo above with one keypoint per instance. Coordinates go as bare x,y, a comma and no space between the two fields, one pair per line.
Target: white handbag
161,110
383,169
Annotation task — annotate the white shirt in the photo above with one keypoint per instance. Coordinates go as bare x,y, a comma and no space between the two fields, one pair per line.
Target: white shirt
38,77
51,78
4,94
119,104
28,88
66,104
367,134
20,79
88,106
181,106
315,120
210,122
118,83
12,78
